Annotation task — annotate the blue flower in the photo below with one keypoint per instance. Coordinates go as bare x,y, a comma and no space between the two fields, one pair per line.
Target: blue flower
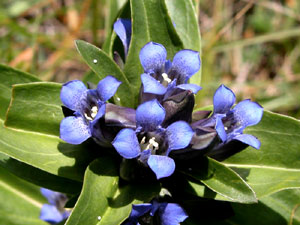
230,122
162,76
88,106
167,213
151,143
122,27
54,212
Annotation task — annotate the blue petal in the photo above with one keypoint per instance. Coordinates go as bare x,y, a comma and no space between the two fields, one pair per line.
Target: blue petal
127,144
122,27
150,115
140,210
193,87
171,214
50,214
247,113
152,85
248,139
107,87
51,196
186,62
220,128
162,166
224,99
179,135
74,130
72,94
153,57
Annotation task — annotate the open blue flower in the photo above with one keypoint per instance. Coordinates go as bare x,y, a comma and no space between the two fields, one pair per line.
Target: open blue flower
151,143
122,27
167,213
88,106
54,212
162,76
230,123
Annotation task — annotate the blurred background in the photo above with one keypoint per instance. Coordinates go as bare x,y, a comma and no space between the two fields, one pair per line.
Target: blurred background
253,47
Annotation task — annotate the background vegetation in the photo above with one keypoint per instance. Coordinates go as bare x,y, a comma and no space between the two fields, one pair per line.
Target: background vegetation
251,46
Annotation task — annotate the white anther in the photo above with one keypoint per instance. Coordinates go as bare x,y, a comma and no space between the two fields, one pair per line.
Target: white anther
143,140
94,111
225,128
166,78
152,143
88,117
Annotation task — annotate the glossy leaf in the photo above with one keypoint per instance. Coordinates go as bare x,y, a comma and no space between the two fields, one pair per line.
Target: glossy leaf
8,77
35,107
275,166
39,177
222,180
103,200
279,208
103,66
149,23
45,152
183,15
20,201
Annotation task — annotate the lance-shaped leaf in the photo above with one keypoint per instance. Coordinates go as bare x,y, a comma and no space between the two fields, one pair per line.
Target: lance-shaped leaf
39,177
8,77
183,15
278,208
221,180
20,201
275,166
35,107
103,66
103,200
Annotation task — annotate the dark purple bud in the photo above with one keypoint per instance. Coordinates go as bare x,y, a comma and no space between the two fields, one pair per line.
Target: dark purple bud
119,116
179,107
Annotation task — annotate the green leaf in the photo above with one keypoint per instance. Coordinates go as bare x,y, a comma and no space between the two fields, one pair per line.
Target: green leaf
20,201
149,23
221,180
103,200
278,208
46,152
183,14
104,66
275,166
8,77
35,107
39,177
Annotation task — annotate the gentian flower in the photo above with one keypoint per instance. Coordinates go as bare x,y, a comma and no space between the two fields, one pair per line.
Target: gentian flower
122,27
150,142
230,122
54,212
88,106
165,213
162,76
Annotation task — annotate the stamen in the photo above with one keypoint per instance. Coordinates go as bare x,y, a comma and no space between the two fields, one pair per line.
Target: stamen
151,144
94,112
166,78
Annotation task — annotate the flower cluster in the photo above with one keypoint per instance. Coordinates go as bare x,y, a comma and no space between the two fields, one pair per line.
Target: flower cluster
163,127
